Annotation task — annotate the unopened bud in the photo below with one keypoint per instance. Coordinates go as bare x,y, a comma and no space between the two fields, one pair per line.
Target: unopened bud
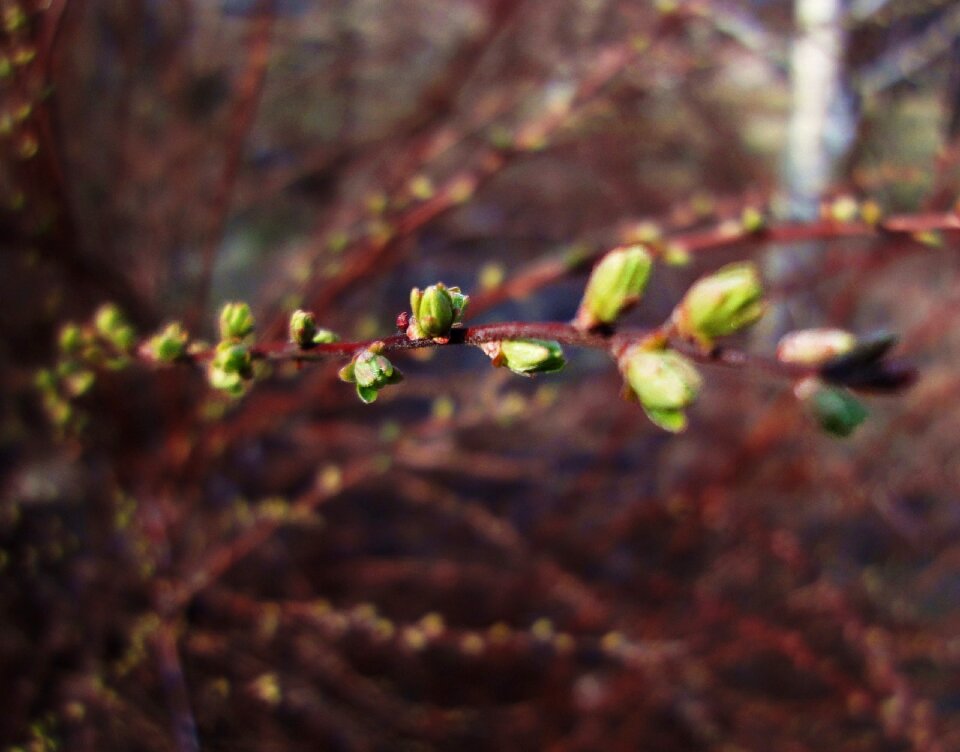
721,303
236,321
435,310
303,328
834,409
113,326
616,283
811,347
664,382
370,371
325,337
231,365
844,209
526,356
752,220
169,345
71,339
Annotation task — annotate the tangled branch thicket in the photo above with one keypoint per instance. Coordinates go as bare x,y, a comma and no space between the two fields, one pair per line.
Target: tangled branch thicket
207,542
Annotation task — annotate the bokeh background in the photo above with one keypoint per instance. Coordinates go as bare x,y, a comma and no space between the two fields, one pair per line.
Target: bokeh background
478,561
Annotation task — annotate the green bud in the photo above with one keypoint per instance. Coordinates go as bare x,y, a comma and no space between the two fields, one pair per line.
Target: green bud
231,383
233,358
79,383
721,303
230,366
325,337
752,220
664,382
370,371
811,347
526,356
236,321
45,381
71,339
168,345
616,283
834,409
844,209
111,324
435,310
303,328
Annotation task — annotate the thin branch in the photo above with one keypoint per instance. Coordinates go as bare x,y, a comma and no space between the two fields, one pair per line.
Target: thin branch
175,687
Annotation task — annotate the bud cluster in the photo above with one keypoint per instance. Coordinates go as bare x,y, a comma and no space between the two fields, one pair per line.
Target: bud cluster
104,342
842,361
435,311
169,345
371,371
231,367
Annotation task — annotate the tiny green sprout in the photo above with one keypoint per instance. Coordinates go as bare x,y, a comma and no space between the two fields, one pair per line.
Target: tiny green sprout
371,371
833,408
812,347
526,356
303,328
113,326
434,311
616,283
664,382
231,365
168,345
236,321
721,303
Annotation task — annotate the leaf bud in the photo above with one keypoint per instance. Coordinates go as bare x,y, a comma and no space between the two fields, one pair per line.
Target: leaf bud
435,310
811,347
721,303
168,345
663,381
236,321
113,326
230,366
303,328
616,283
370,371
71,339
753,220
526,356
834,409
325,337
